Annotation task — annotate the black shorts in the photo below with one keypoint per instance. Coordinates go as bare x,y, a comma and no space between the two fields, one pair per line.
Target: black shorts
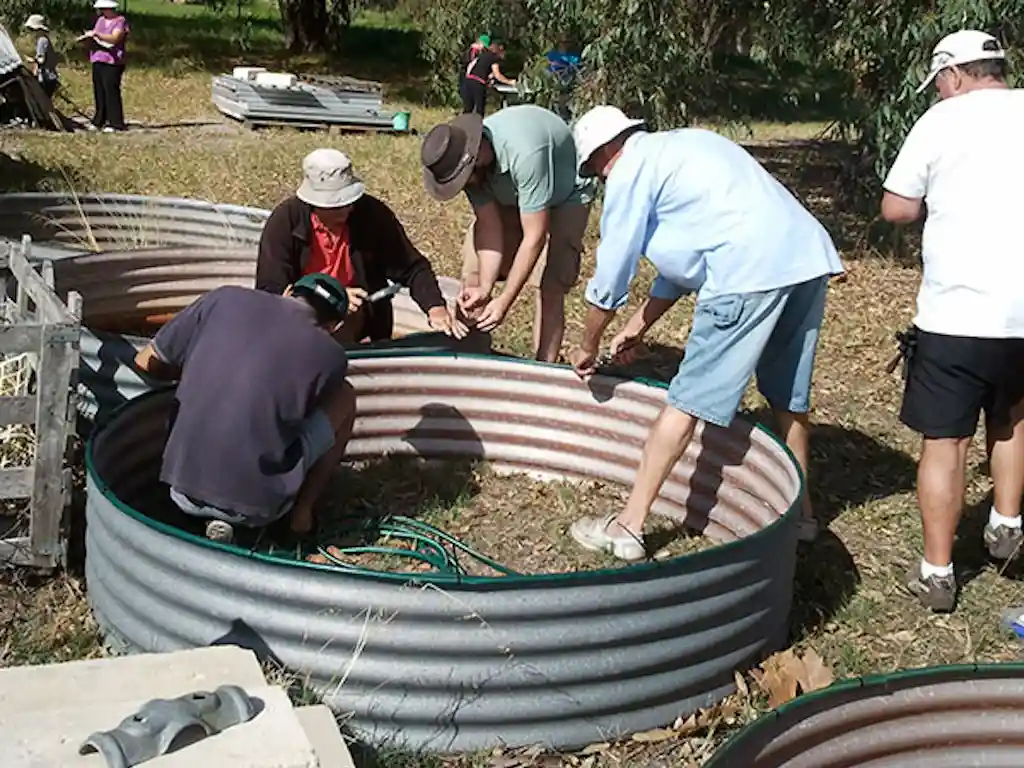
952,379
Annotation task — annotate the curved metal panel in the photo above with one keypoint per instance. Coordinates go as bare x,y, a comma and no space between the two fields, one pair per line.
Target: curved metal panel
938,717
99,222
456,664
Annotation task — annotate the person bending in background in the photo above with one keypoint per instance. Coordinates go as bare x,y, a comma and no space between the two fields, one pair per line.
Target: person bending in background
961,161
469,56
711,219
44,63
482,70
107,41
518,170
263,411
331,225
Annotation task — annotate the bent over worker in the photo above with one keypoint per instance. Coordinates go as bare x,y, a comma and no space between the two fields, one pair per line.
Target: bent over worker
966,350
711,219
518,170
263,409
332,225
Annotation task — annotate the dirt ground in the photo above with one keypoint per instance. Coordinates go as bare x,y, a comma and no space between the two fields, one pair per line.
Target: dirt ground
517,521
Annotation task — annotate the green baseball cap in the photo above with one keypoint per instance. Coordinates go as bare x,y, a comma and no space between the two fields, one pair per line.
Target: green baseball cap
485,39
327,288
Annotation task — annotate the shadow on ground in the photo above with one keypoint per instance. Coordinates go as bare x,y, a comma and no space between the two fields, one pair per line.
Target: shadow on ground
20,175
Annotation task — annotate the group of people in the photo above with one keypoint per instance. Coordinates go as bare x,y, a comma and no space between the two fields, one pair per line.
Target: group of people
711,220
106,42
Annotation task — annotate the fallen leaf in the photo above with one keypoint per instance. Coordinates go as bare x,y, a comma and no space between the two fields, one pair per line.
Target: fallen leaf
816,675
505,762
589,762
686,727
741,685
777,678
595,749
657,734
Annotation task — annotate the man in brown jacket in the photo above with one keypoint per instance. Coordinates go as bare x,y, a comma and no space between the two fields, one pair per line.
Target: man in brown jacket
332,226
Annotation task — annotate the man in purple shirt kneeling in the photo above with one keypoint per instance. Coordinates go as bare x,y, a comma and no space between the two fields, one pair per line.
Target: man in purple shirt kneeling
263,409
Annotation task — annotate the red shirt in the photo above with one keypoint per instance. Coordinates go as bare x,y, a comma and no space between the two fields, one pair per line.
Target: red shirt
329,253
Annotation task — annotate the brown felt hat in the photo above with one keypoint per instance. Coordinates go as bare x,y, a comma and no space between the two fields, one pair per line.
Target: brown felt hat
448,155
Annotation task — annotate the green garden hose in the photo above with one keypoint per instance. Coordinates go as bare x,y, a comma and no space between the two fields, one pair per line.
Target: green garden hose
433,546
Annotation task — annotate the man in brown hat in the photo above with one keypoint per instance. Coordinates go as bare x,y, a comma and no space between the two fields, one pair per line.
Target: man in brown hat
518,170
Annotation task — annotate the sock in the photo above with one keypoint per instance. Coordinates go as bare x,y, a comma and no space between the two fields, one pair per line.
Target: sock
995,520
942,571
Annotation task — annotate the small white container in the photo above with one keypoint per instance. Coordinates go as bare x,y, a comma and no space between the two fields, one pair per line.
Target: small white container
276,79
247,73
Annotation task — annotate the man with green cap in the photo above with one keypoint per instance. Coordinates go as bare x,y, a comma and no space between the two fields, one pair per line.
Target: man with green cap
518,168
263,411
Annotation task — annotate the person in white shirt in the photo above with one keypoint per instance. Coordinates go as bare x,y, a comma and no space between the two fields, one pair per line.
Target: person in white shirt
963,159
713,222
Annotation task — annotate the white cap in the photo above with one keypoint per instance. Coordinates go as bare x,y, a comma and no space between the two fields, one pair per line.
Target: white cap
101,5
596,128
328,180
37,23
962,47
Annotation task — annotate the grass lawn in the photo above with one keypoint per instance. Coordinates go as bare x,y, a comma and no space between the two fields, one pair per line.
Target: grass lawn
849,604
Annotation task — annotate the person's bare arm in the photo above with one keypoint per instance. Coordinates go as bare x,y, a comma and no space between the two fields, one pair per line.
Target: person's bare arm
149,362
497,75
488,237
897,209
535,234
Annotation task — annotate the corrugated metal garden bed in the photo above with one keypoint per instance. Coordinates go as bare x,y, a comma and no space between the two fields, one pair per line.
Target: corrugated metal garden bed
448,660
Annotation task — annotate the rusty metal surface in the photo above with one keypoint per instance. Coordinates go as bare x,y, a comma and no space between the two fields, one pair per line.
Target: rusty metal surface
939,717
459,664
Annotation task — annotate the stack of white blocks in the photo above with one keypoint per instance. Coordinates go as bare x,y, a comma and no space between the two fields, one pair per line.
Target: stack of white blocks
47,712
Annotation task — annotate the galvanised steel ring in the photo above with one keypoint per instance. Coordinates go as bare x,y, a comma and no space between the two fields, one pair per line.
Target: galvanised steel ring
935,717
450,663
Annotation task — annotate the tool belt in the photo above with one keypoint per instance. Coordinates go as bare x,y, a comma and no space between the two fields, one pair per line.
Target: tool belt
907,341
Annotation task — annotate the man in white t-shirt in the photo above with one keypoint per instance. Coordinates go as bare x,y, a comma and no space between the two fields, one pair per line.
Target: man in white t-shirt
964,158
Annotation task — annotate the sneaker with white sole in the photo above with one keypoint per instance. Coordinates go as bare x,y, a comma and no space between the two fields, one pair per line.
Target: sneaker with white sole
218,530
1002,541
593,533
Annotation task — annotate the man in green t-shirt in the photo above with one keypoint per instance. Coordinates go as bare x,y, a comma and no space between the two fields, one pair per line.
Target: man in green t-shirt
518,169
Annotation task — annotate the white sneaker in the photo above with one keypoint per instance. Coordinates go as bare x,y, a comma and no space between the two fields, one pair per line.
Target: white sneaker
108,129
592,533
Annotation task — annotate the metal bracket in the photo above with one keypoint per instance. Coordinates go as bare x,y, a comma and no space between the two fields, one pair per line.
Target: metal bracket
63,334
166,725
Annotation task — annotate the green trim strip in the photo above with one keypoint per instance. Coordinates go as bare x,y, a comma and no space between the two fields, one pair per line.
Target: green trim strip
636,570
870,685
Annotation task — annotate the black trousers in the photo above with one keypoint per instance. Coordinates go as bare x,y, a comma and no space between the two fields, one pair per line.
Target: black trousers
49,87
106,88
474,96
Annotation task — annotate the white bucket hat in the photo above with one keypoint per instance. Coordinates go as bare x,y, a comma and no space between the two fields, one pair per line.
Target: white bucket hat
36,23
596,128
101,5
960,48
328,180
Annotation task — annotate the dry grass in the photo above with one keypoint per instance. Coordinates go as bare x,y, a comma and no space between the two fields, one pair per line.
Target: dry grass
849,603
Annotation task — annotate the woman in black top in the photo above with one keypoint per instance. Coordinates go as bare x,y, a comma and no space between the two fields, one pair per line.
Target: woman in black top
479,73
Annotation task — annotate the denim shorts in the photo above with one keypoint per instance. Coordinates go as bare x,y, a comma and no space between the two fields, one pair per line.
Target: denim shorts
773,334
316,437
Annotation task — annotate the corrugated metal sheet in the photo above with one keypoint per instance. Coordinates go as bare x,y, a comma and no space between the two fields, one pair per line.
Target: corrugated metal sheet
443,665
302,103
10,59
939,717
126,222
157,255
127,295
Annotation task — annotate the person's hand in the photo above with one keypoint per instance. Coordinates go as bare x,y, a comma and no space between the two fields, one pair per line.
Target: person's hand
473,298
626,348
356,297
583,362
442,319
493,314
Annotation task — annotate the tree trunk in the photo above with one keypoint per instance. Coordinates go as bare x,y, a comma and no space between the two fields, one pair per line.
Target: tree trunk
308,25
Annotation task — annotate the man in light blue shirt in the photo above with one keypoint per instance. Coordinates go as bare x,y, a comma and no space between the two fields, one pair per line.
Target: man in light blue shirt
713,221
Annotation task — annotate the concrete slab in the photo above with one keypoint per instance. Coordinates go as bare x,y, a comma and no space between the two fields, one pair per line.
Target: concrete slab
51,738
125,678
322,731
